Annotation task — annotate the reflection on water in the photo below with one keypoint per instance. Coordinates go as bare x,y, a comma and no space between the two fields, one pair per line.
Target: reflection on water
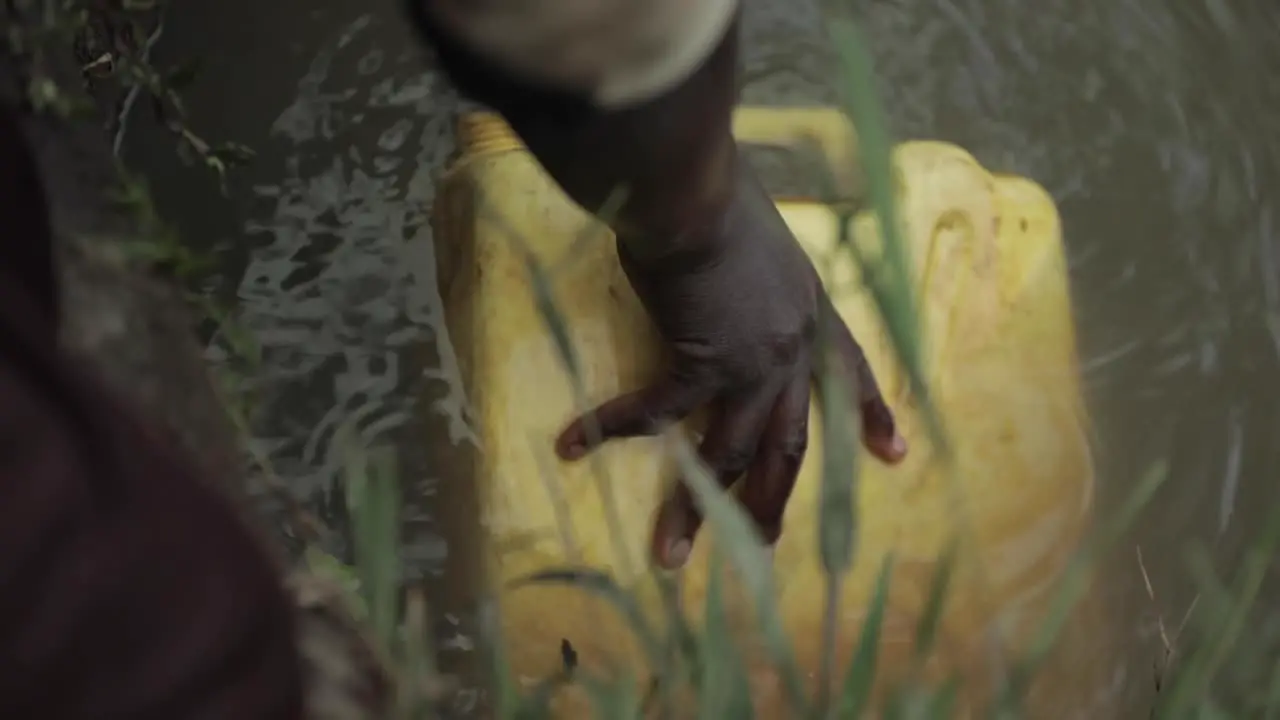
1149,122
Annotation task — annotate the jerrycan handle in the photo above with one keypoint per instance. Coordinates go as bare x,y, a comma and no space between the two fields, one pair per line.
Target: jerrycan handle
802,128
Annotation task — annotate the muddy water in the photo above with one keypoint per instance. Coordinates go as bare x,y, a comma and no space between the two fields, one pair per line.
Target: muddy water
1151,126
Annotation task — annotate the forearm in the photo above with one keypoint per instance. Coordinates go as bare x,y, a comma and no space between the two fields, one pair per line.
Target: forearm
642,106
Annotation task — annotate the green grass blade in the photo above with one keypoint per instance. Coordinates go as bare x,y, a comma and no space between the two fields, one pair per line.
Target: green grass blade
1074,585
421,676
942,706
889,280
855,694
1205,665
504,689
324,565
373,498
724,691
837,501
682,635
1215,599
556,324
682,651
931,618
593,232
1273,694
739,539
559,329
897,705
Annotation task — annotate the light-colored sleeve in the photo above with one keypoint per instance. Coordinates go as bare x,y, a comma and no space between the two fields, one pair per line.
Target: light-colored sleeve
619,51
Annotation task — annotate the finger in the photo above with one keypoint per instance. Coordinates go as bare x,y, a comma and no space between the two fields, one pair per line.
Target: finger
640,413
728,446
779,455
879,431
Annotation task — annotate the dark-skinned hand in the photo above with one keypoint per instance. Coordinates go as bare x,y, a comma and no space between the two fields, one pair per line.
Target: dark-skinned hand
730,289
741,316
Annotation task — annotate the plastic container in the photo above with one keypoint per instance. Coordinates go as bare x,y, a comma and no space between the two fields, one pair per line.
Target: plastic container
1001,356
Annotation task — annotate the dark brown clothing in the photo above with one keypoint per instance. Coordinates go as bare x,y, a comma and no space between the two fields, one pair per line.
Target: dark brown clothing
128,587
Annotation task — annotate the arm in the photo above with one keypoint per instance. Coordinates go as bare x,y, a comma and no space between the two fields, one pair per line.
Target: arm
609,98
644,89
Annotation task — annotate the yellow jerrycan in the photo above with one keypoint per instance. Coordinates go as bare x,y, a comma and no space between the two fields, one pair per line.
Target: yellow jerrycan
1001,361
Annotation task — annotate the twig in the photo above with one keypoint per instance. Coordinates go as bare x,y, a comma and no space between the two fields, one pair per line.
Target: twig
1170,646
1162,666
126,105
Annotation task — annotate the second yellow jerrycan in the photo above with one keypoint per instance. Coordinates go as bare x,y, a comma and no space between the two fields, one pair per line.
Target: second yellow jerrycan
1001,362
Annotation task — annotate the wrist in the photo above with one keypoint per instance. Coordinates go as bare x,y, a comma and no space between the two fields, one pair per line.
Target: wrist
682,220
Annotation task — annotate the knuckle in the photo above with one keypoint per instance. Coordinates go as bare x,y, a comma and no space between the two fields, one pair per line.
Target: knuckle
793,446
648,424
641,422
785,350
736,461
809,329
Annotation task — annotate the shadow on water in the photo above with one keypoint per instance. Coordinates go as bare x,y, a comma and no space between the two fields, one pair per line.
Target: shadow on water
1151,127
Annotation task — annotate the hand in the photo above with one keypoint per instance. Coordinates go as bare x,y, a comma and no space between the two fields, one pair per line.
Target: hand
708,254
739,306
